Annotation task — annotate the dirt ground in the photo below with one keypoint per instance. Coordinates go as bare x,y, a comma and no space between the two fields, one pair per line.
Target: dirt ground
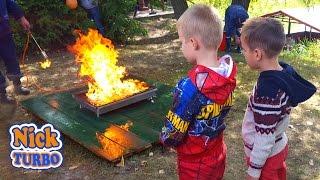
158,57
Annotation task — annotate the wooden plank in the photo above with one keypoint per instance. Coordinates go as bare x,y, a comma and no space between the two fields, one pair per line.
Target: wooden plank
82,125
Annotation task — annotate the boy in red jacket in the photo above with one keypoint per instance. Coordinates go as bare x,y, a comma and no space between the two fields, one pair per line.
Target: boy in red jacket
194,125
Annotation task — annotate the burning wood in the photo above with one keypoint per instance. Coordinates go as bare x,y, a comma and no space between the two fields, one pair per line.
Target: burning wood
114,142
98,65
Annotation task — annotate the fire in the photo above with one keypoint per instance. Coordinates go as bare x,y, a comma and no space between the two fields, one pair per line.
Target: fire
126,126
97,57
45,64
114,140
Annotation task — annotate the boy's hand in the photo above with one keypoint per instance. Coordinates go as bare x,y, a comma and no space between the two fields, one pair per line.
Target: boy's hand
251,178
25,23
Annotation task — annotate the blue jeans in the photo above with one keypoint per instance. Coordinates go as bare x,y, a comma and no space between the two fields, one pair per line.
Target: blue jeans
87,4
92,10
9,57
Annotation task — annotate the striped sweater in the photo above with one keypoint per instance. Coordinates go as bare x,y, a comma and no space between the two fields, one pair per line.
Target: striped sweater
267,114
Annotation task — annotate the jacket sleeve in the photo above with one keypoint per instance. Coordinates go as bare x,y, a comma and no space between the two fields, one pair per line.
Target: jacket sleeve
14,9
187,101
267,108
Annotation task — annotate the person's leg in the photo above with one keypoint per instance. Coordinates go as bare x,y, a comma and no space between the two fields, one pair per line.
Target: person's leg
275,167
95,14
229,30
87,4
238,34
208,162
142,5
8,54
4,99
136,8
92,10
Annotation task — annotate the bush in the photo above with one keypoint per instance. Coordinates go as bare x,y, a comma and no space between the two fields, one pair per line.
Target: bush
53,23
306,50
120,27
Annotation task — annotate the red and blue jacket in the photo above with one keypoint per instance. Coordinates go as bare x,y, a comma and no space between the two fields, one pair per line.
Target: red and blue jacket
200,103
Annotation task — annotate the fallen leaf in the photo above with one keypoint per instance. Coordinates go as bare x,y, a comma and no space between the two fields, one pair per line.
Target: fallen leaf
143,163
161,171
73,167
311,163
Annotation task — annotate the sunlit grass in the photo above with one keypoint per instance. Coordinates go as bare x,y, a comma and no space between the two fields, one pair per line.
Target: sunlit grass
258,7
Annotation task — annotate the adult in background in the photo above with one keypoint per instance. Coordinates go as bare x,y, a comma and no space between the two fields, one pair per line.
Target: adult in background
92,9
235,16
8,49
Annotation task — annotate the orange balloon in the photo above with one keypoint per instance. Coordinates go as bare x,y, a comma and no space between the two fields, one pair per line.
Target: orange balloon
72,4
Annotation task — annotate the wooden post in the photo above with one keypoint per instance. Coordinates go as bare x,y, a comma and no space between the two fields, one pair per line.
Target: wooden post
179,6
289,26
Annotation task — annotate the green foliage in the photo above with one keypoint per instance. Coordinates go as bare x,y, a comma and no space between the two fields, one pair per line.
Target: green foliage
220,5
120,27
305,50
310,3
53,23
259,7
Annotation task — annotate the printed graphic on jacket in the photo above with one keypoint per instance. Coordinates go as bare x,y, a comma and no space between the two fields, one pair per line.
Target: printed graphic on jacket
200,103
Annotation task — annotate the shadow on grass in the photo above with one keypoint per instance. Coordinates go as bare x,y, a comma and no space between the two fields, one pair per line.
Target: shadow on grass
157,40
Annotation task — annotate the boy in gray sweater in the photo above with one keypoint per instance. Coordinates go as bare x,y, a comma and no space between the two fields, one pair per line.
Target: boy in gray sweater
279,88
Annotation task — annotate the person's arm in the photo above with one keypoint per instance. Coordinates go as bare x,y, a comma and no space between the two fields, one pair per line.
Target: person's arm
267,108
14,9
230,26
186,105
18,14
25,23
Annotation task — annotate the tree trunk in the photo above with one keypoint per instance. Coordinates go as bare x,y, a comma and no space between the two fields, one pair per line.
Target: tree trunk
244,3
179,6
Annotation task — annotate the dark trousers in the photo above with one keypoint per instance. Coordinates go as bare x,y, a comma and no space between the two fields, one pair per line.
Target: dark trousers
94,14
92,10
9,57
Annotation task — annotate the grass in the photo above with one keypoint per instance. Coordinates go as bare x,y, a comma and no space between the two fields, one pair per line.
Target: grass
160,59
259,7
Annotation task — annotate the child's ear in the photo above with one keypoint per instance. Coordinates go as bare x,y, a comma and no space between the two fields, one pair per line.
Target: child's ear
258,54
195,43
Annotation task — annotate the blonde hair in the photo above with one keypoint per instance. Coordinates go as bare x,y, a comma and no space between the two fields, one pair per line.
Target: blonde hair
202,21
264,33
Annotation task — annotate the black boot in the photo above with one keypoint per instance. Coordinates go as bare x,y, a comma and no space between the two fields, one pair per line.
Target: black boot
18,89
4,99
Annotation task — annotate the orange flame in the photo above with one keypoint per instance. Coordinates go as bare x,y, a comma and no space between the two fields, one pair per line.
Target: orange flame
127,126
113,141
45,64
98,63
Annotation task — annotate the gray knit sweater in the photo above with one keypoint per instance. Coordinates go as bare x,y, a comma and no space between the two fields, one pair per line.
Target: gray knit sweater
267,114
263,129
